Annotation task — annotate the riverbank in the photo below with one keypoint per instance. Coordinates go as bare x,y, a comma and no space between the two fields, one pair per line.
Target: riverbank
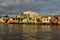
36,23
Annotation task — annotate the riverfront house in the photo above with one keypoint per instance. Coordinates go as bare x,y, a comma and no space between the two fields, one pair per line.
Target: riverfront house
46,19
1,20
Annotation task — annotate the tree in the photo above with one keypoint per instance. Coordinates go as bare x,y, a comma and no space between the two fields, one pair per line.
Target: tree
6,16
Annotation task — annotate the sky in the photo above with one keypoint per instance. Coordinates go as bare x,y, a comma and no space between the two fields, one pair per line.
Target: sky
43,7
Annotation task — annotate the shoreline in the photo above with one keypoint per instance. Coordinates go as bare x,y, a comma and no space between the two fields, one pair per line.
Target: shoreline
33,23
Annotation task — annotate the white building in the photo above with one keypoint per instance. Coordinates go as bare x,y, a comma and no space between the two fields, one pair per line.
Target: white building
30,13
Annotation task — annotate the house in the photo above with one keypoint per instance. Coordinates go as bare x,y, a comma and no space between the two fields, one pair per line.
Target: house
1,20
5,18
39,19
10,20
58,19
17,20
54,19
27,20
46,19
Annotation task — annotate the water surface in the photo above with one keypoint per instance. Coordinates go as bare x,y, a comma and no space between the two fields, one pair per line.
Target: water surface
29,32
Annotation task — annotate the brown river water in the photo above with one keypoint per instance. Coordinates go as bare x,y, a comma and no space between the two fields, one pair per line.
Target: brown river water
29,32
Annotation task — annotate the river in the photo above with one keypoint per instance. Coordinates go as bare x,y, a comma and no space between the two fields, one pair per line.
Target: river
29,32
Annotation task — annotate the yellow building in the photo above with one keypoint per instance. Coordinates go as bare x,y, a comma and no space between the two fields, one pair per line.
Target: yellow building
1,20
46,19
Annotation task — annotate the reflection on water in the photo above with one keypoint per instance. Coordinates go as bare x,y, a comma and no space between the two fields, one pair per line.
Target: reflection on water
29,32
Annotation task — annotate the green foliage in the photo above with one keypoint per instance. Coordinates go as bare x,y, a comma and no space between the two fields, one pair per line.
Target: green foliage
6,16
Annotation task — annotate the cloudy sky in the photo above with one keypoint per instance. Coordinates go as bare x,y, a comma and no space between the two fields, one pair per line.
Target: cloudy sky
43,7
